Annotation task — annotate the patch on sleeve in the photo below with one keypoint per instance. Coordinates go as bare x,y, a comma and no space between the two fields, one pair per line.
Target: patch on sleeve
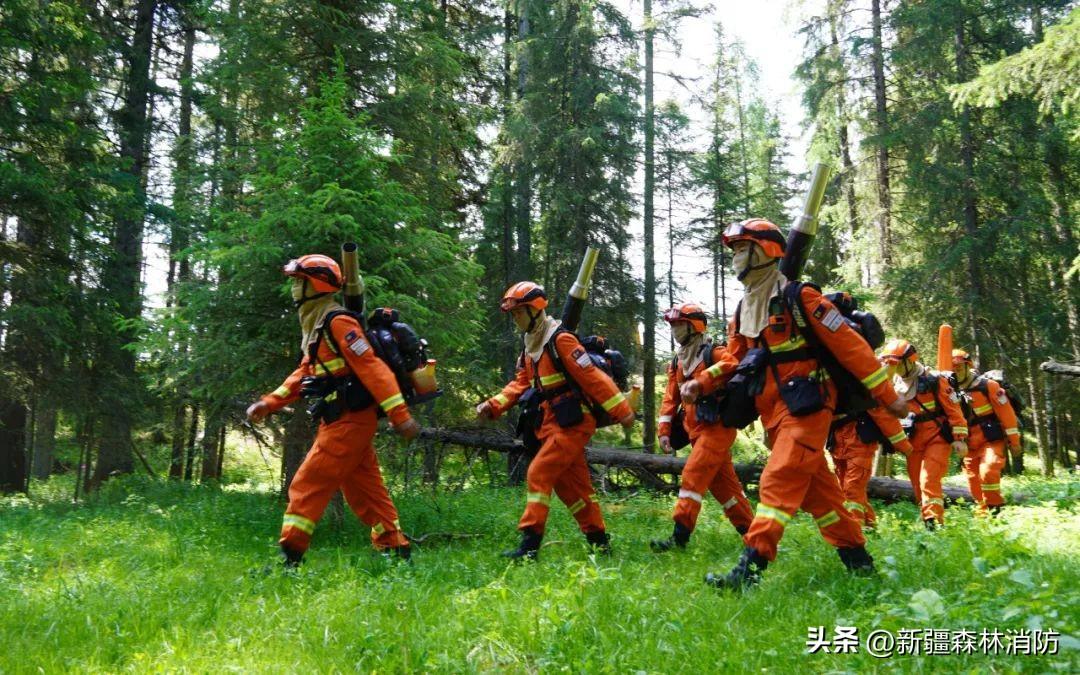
952,395
582,358
819,312
832,320
356,344
1002,397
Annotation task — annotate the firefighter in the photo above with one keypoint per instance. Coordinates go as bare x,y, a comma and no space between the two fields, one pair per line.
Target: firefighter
709,467
794,402
568,388
854,440
336,353
935,425
993,421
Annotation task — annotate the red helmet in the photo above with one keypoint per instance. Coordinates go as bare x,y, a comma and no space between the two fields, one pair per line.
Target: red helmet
759,231
896,351
524,294
321,271
961,356
690,312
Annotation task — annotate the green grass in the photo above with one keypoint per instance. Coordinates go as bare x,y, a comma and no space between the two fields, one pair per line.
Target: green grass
157,577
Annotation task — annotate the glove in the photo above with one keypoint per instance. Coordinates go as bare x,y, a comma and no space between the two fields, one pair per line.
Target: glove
257,411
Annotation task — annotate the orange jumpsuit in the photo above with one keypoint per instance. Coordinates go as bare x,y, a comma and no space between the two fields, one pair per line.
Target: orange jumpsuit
709,467
343,455
985,458
559,465
796,474
928,462
853,459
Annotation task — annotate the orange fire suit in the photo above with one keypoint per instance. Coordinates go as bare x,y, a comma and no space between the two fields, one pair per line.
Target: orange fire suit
709,467
343,455
559,465
796,474
853,458
928,462
985,458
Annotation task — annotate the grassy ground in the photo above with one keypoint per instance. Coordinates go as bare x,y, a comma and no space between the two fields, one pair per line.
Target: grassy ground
158,577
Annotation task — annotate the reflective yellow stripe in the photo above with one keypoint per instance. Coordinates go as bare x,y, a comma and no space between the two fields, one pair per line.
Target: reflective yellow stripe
715,370
991,487
392,402
539,497
378,528
577,506
934,500
779,516
960,431
299,522
930,405
329,367
896,438
821,374
282,392
983,409
501,400
1012,431
794,342
552,379
613,401
875,378
854,506
827,519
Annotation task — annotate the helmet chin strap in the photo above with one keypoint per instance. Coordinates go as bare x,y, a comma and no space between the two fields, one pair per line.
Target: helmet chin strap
750,267
297,304
533,318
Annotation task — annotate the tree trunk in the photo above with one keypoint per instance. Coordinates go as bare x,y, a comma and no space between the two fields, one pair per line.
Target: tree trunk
847,167
298,437
210,441
193,432
12,446
881,130
179,436
123,269
522,173
1034,380
649,344
969,191
44,437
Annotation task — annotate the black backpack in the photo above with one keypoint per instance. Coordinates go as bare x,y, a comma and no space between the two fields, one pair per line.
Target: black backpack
852,395
394,342
1016,399
608,360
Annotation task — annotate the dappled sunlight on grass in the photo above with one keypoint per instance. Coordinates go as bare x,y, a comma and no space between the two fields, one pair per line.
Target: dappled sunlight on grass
165,577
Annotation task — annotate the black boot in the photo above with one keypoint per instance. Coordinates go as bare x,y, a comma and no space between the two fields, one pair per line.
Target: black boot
403,553
742,529
931,524
527,549
995,510
679,538
291,559
857,560
600,542
747,572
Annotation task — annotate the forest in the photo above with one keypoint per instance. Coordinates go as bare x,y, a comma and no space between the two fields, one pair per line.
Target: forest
162,160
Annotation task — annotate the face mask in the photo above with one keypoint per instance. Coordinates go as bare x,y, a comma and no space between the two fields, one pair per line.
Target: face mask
681,332
751,264
741,259
297,289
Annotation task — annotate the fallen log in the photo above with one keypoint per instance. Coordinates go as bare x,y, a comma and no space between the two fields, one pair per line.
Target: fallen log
886,489
1056,368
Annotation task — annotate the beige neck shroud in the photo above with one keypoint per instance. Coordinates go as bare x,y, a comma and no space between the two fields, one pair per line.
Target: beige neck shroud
312,313
539,336
691,353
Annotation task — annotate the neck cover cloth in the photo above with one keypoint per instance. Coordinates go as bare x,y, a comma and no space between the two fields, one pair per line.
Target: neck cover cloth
540,334
691,354
760,286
